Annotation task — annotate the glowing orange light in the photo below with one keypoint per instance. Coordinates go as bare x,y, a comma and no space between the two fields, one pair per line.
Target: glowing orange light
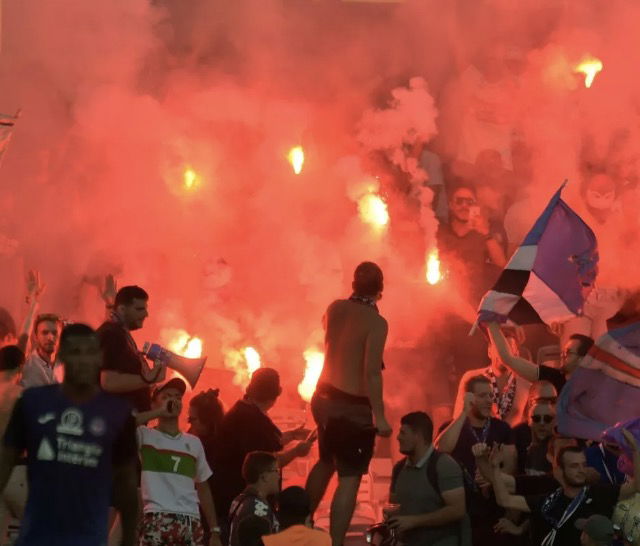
296,158
313,369
243,363
190,179
589,66
373,210
183,344
433,268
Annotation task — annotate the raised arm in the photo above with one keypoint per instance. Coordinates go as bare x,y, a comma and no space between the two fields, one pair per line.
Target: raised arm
373,370
449,437
520,366
34,290
503,497
632,487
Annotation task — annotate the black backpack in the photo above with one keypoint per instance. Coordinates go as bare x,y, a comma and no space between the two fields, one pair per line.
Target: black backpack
431,468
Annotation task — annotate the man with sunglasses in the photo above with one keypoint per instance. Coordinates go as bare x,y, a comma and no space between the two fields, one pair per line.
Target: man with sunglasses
42,367
576,347
542,417
466,243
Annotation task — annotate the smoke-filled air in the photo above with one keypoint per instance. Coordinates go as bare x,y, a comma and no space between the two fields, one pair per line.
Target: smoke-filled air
238,159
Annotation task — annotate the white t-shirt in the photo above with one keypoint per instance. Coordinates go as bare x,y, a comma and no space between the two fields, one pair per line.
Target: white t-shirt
171,466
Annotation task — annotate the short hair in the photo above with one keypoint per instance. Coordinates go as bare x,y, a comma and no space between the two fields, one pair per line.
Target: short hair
566,449
11,358
76,329
127,294
209,408
368,279
294,506
419,422
471,382
264,385
7,324
255,464
45,317
585,343
462,185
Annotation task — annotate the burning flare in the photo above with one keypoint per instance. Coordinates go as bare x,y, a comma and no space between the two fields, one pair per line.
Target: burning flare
243,363
190,179
183,344
373,210
313,369
433,268
589,66
296,158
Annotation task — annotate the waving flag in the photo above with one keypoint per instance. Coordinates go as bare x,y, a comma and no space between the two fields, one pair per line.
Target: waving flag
605,389
550,275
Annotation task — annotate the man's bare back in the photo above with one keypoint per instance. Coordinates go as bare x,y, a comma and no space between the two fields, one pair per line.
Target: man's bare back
353,333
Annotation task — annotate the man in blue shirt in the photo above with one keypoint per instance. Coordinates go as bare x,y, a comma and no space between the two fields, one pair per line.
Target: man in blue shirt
81,451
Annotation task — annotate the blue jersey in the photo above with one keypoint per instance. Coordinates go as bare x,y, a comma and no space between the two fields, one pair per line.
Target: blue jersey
70,452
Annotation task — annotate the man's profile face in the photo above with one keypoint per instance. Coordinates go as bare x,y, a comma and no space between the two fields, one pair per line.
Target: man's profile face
134,314
82,358
460,204
569,356
407,440
47,334
272,477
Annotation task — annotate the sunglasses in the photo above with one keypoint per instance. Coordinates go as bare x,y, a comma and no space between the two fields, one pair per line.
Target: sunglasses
547,399
546,419
464,201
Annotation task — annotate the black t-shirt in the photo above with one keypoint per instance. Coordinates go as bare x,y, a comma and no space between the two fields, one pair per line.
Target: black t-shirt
553,376
600,499
535,485
499,432
521,438
121,355
244,428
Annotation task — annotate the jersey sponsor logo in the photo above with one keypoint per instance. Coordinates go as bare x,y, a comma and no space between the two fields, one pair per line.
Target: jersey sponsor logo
45,451
78,452
44,419
260,509
71,422
97,427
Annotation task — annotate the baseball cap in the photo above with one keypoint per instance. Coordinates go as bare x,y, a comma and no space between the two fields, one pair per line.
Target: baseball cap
294,501
598,527
173,383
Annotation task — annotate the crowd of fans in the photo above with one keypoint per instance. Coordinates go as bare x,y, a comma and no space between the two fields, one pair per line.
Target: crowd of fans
77,465
497,470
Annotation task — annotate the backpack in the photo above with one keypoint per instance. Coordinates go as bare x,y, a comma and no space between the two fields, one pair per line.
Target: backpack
431,468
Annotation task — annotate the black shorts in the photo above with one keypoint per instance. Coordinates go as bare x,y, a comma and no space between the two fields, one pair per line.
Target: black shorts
346,435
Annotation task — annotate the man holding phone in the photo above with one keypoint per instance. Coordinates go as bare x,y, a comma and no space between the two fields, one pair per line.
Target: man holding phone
174,477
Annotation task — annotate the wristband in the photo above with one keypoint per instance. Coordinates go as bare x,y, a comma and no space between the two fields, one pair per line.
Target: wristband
216,530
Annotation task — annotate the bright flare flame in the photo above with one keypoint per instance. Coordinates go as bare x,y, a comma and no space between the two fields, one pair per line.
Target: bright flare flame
181,343
243,363
313,369
252,358
190,179
373,210
433,268
296,158
589,66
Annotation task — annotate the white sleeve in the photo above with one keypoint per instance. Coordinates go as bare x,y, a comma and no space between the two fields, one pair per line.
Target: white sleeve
203,472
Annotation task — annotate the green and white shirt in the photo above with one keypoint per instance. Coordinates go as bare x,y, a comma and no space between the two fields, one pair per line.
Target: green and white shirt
171,465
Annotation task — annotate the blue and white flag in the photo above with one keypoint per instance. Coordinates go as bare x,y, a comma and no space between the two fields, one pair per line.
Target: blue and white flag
549,277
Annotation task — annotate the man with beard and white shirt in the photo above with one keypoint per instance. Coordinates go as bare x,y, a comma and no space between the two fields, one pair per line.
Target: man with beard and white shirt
554,515
42,366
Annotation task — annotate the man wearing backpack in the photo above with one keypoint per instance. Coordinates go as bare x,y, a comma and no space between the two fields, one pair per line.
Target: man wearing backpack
429,488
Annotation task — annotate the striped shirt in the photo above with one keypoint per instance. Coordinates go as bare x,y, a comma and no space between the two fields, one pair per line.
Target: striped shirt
171,466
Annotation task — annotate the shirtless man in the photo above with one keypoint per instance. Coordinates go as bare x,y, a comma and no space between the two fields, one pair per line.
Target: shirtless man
347,404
